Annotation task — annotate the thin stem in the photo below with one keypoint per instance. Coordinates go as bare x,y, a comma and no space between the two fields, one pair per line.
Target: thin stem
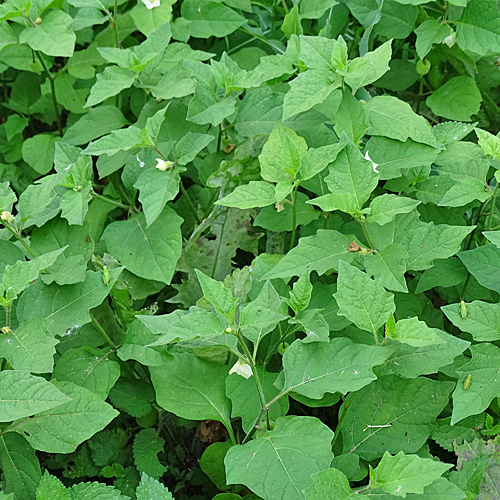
115,25
365,232
190,202
111,202
284,6
21,239
100,329
8,311
294,217
219,137
492,208
258,383
53,92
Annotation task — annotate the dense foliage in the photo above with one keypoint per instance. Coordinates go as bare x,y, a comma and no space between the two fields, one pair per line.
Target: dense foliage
250,249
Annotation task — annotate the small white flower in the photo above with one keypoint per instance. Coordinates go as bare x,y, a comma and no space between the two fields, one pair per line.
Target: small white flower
162,164
151,4
375,165
241,368
450,40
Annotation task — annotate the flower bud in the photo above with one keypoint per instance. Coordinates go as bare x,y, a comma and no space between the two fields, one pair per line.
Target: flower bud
7,217
6,329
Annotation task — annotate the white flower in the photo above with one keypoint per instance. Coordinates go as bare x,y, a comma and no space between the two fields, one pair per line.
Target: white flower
241,368
162,164
151,4
375,165
450,40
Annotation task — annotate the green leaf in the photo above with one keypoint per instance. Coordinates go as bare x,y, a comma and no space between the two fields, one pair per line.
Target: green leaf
277,452
20,466
465,192
482,320
428,33
147,445
388,266
272,162
192,388
190,145
38,152
321,253
24,395
208,18
253,194
458,99
50,488
218,295
150,489
401,413
30,346
402,474
444,273
317,368
385,207
478,30
309,89
351,174
52,36
316,52
329,483
416,333
362,300
62,429
315,160
350,118
109,83
484,385
150,252
484,264
393,118
489,143
156,189
90,368
300,295
119,140
362,71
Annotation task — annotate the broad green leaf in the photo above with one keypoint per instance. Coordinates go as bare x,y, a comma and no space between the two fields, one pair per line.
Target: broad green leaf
314,9
362,71
309,89
50,487
218,295
119,140
272,163
493,237
489,143
385,207
300,295
291,453
23,394
254,194
482,320
192,388
329,483
402,474
484,382
317,368
458,99
147,445
362,300
415,333
62,429
465,192
38,152
30,346
393,414
22,273
149,252
64,311
316,52
189,146
411,362
208,18
150,489
291,23
484,264
316,159
428,33
350,118
109,83
351,174
478,30
389,266
394,158
445,272
20,467
156,188
245,398
463,160
393,118
96,490
52,36
429,242
321,253
94,369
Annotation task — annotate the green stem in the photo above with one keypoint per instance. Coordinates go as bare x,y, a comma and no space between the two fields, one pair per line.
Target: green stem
219,137
100,329
365,232
492,208
258,383
115,25
8,311
53,92
21,239
341,419
284,6
190,202
294,217
111,202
